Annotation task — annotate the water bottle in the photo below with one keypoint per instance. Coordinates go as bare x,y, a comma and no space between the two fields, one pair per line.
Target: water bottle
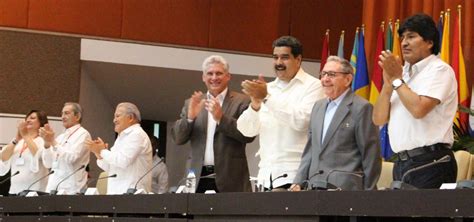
190,182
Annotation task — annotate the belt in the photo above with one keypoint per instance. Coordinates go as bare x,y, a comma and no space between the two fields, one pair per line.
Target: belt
207,169
407,154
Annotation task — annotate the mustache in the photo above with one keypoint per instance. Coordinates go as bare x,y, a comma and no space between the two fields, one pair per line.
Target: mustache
280,67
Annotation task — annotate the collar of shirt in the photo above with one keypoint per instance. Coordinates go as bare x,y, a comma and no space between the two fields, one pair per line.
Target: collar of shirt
339,99
72,129
299,77
416,68
129,129
220,97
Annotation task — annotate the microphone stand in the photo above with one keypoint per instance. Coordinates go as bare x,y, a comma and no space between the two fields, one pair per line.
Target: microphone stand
84,189
25,192
401,185
55,191
134,189
305,183
278,177
325,185
6,179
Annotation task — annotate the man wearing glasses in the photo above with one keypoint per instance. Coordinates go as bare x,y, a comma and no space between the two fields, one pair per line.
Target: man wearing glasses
343,145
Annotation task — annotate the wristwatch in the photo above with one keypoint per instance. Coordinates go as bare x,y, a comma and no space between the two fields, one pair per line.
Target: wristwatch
397,83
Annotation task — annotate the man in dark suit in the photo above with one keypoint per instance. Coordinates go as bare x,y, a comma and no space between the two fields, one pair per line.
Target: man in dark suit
343,145
208,121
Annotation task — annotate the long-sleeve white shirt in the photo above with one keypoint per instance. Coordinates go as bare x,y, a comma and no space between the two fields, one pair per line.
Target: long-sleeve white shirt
31,167
68,155
159,183
129,158
282,123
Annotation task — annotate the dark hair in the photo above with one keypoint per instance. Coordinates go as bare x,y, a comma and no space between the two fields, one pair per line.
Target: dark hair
42,117
76,108
423,25
289,41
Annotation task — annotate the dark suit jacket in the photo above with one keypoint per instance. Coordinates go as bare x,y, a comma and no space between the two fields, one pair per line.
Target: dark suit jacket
232,173
351,144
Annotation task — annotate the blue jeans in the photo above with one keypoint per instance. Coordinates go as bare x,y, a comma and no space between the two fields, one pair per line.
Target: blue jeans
430,177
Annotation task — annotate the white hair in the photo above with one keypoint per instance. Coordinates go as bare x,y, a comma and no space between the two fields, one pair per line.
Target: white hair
131,109
214,59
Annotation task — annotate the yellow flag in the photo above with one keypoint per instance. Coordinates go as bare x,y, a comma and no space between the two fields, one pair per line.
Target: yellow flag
396,41
444,54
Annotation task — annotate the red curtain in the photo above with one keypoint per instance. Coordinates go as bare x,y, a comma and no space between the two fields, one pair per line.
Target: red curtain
375,11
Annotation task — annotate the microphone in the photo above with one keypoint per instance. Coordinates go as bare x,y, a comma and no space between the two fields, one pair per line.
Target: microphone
84,189
25,192
401,185
325,185
55,191
278,177
305,183
134,189
6,179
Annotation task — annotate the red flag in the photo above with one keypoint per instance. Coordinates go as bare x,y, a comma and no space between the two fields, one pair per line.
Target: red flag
377,81
325,51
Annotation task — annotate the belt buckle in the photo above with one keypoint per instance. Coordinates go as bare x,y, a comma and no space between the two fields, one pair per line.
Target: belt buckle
403,155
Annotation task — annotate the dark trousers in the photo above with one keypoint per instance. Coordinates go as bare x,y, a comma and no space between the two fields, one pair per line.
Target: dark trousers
429,177
207,183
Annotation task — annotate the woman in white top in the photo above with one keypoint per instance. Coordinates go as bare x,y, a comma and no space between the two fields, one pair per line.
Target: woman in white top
23,154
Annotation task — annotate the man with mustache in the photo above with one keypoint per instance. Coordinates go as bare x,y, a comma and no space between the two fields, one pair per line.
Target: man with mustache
419,102
67,152
279,113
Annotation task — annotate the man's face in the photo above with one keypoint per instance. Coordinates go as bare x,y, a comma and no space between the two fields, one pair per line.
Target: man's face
285,64
414,48
68,117
121,120
216,78
334,81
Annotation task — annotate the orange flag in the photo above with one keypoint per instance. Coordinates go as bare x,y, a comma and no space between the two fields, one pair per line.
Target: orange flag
460,69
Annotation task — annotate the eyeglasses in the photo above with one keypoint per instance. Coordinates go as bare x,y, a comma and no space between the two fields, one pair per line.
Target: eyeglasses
330,74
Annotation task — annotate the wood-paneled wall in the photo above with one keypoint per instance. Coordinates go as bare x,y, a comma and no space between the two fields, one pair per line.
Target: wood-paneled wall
38,72
240,25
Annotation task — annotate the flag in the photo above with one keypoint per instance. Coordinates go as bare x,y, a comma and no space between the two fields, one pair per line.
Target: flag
460,70
444,54
361,78
325,51
355,48
340,48
440,29
389,36
396,42
376,85
386,149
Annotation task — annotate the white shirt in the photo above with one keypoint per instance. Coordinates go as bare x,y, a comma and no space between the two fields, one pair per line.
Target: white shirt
129,158
282,123
159,181
330,111
211,130
68,155
433,78
31,168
